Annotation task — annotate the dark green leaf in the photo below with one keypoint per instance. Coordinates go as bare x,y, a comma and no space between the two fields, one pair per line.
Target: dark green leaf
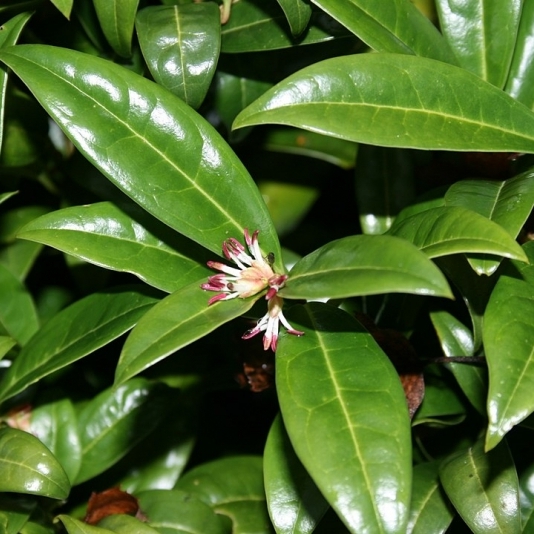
6,196
175,322
482,35
116,420
487,483
74,526
117,22
397,26
14,512
396,100
29,467
364,265
181,46
526,499
108,236
339,393
76,331
295,503
126,524
232,487
159,151
508,342
298,13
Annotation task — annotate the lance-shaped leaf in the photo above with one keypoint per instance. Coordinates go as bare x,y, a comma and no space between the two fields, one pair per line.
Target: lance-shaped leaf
451,230
396,100
159,151
6,344
76,331
364,265
181,46
508,342
396,26
484,488
29,467
339,393
108,236
507,203
294,501
482,34
175,322
298,13
117,22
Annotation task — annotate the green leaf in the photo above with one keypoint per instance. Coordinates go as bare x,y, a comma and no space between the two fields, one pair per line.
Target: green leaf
508,342
259,26
6,344
18,317
298,13
179,512
175,322
55,425
181,46
396,100
487,482
364,265
507,203
64,6
526,499
482,35
521,75
384,186
117,22
126,524
14,512
457,340
7,196
123,240
430,510
116,420
29,467
294,501
159,152
232,487
9,35
76,331
397,26
73,526
339,392
451,229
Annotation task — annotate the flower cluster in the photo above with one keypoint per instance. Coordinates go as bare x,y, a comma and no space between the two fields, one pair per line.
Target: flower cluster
253,274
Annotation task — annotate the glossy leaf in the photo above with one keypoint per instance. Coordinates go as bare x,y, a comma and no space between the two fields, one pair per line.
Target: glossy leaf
232,487
482,34
526,499
451,230
507,203
64,6
179,512
487,483
294,501
117,22
14,512
175,322
387,100
364,265
18,317
256,26
74,526
197,184
76,331
384,185
181,46
298,13
106,235
397,26
430,510
7,196
55,425
457,340
116,420
29,467
508,342
521,75
339,392
126,524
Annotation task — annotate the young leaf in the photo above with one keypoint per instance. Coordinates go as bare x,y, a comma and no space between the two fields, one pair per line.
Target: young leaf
364,265
396,100
29,467
298,13
64,6
160,152
117,22
396,26
339,392
76,331
106,235
181,46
